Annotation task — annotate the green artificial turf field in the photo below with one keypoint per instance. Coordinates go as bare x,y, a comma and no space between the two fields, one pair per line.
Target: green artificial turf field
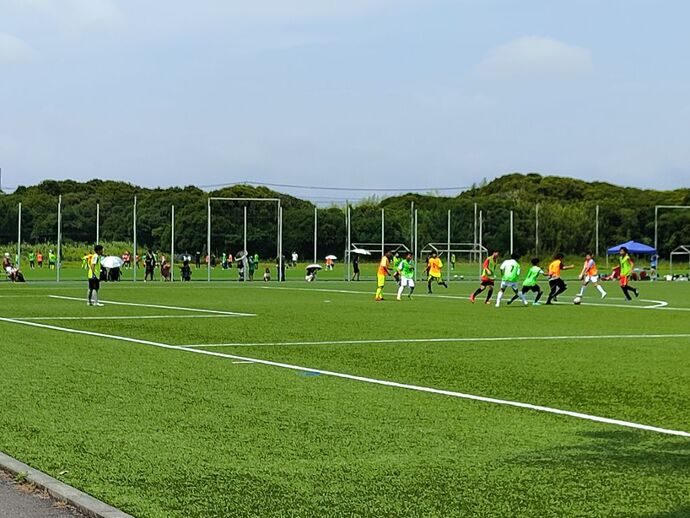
360,409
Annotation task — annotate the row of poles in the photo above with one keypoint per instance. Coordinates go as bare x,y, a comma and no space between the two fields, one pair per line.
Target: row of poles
478,230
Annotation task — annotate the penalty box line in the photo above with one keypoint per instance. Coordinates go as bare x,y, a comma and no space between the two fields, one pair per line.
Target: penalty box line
450,340
158,306
373,381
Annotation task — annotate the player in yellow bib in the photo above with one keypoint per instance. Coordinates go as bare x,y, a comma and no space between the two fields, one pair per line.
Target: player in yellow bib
93,274
383,271
434,267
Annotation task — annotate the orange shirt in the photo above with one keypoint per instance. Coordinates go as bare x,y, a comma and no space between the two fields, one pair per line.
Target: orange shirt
555,268
591,268
383,266
435,266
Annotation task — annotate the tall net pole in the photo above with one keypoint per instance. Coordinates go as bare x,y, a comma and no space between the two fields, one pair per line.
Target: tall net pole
511,231
448,249
474,242
383,231
19,235
208,243
134,232
536,229
172,244
59,238
98,223
416,248
481,231
316,231
596,233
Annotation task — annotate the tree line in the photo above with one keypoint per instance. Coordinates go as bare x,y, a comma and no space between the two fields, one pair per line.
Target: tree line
566,207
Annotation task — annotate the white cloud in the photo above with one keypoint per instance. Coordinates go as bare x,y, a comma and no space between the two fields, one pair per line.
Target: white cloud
79,13
534,55
13,49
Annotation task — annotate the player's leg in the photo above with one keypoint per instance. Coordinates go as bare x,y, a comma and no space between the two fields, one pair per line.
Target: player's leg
553,289
428,284
562,287
490,292
401,287
481,288
500,294
584,284
540,292
380,281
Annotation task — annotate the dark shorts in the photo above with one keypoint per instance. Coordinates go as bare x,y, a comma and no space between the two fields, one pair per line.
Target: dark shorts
557,284
94,284
527,289
488,282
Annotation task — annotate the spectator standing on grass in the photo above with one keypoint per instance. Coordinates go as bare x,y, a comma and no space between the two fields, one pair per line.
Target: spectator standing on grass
32,259
251,264
355,267
294,259
93,274
186,271
52,260
39,259
150,264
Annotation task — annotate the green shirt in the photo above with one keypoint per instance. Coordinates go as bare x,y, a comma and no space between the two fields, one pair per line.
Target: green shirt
94,271
52,257
510,270
32,256
532,276
406,268
626,265
397,261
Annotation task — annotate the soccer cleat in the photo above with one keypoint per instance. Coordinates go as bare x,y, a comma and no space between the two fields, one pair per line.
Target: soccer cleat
487,302
536,303
603,295
472,297
637,293
99,304
398,298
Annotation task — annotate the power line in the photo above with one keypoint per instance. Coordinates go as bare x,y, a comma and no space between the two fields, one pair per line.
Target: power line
319,188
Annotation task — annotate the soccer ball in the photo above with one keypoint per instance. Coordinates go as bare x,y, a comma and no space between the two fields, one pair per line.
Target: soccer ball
577,300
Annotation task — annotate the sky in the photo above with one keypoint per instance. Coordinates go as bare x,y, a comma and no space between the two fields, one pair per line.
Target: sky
365,94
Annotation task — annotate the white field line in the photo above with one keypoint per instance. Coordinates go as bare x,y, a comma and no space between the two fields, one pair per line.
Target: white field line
657,304
131,317
157,306
374,381
451,340
241,362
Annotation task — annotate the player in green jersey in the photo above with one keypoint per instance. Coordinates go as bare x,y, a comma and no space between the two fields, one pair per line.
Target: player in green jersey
510,273
627,265
530,283
406,270
396,262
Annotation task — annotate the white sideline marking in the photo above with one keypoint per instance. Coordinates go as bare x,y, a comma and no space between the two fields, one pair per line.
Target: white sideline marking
157,306
241,362
448,340
363,379
131,317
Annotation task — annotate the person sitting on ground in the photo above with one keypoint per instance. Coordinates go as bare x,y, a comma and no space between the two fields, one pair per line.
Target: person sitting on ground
267,275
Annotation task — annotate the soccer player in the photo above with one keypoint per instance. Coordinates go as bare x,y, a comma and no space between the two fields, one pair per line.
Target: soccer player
32,259
396,262
433,269
510,273
530,283
384,266
93,274
627,265
590,273
488,276
555,282
52,260
406,269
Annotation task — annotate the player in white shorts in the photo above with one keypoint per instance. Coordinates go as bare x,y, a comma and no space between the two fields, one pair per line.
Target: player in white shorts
590,273
406,270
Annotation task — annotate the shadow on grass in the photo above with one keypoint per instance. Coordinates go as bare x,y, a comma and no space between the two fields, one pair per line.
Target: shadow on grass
618,450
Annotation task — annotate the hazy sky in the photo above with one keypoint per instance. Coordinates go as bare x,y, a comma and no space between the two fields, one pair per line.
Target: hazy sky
365,93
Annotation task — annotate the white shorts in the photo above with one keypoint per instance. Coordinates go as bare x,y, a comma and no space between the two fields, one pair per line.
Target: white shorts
507,284
591,278
406,283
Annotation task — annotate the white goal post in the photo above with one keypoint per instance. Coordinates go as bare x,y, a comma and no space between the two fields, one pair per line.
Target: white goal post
279,237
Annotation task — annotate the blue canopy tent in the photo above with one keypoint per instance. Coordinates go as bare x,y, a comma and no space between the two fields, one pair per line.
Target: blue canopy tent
634,248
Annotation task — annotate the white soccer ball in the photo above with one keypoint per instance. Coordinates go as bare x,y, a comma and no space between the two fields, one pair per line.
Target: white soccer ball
577,300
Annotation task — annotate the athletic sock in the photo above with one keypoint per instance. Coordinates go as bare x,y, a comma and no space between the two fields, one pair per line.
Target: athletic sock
601,289
513,299
491,292
522,297
88,296
581,292
477,292
625,292
498,298
400,290
539,294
